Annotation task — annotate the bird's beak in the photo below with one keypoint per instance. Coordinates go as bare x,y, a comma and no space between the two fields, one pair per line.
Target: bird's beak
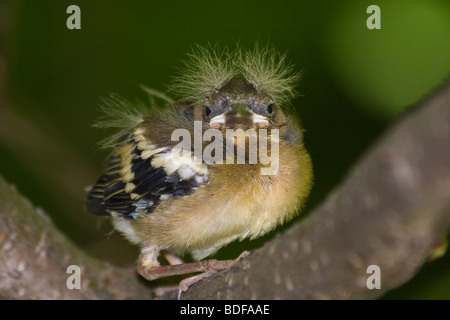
238,117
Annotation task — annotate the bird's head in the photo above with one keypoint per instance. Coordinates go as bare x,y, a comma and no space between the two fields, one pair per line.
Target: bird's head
240,89
239,104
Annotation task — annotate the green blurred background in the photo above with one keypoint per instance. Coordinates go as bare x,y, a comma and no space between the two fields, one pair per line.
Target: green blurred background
355,82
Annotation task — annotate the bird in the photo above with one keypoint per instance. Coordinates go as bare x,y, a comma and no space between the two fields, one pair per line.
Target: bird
240,170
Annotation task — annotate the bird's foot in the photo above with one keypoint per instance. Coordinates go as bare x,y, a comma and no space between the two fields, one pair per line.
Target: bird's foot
207,267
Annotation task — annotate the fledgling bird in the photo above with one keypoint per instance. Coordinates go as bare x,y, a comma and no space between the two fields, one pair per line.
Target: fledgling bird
165,200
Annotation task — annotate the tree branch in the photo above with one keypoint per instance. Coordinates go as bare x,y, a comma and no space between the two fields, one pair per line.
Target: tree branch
34,257
391,211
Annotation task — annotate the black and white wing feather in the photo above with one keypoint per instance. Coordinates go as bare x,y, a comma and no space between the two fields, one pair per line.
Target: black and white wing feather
140,176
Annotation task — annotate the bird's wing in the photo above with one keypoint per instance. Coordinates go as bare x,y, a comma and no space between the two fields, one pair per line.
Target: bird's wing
140,176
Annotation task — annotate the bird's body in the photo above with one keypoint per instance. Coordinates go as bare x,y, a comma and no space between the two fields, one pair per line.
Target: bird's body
164,200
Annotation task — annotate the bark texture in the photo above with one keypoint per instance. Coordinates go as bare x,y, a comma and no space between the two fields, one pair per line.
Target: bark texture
391,211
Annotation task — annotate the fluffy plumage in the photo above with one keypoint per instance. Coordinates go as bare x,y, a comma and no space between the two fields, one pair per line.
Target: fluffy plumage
208,69
163,200
121,116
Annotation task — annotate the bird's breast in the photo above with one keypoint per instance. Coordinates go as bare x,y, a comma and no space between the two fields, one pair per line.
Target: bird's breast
237,202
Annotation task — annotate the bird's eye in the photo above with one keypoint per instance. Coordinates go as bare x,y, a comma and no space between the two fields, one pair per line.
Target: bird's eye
270,108
208,111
